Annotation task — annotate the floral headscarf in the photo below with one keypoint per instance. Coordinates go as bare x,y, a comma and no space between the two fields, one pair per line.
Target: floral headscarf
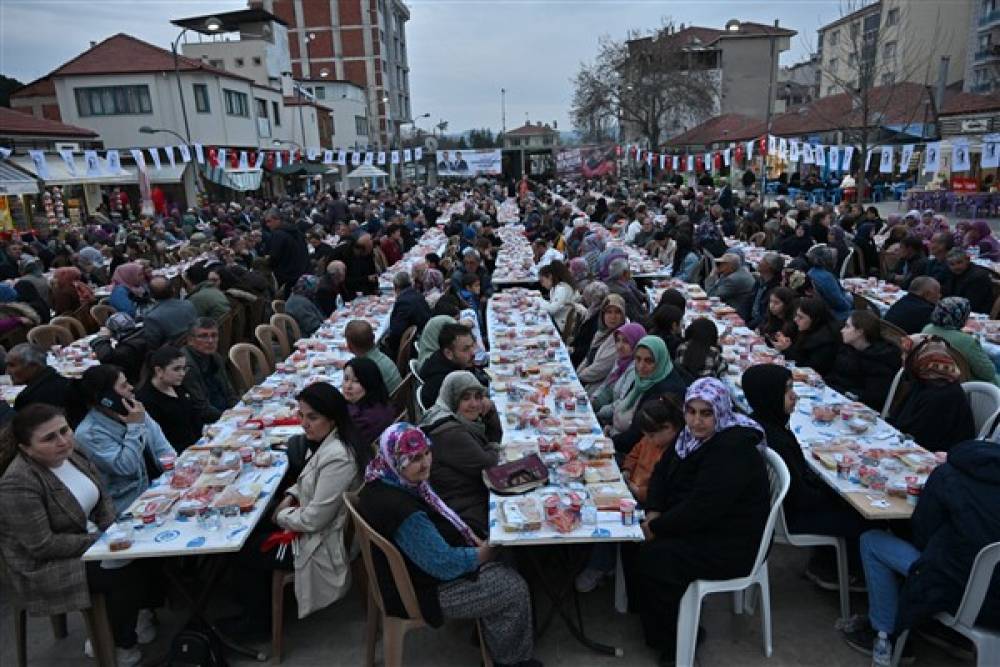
605,259
579,269
951,313
591,249
132,275
632,332
928,358
716,394
433,280
397,446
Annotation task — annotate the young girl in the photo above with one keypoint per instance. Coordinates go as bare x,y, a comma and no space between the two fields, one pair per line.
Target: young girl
660,421
699,355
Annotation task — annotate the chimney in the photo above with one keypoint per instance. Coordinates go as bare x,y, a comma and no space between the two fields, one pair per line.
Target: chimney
776,23
93,43
942,82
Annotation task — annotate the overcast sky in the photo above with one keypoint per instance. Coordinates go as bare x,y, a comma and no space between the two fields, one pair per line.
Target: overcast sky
462,52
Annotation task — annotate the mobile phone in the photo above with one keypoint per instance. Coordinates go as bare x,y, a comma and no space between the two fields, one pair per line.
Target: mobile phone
113,401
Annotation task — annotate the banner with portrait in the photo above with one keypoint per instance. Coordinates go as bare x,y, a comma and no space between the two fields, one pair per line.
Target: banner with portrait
590,161
468,163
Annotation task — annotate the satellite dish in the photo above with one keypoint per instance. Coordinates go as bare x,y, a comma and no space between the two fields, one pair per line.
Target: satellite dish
431,144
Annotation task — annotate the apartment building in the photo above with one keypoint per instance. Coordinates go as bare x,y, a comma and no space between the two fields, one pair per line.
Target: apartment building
982,59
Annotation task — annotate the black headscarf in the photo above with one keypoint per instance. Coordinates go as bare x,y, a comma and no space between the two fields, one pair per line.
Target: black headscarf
764,386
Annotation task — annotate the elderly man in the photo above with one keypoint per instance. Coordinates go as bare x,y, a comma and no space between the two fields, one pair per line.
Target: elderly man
360,339
410,309
286,249
769,276
620,282
937,261
206,379
472,264
732,284
170,318
913,312
27,364
912,262
968,280
332,284
362,274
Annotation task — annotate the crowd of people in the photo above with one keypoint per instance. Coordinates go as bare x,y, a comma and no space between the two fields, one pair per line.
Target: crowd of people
653,373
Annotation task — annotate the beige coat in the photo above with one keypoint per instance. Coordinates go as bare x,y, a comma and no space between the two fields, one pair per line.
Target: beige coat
322,566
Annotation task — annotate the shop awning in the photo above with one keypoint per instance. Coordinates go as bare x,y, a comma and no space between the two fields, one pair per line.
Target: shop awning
166,173
59,173
305,169
13,181
918,130
367,171
241,181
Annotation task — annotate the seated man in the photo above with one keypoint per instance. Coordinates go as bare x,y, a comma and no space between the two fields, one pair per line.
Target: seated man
170,318
912,262
360,339
620,282
457,352
913,312
968,280
732,283
410,309
207,381
27,364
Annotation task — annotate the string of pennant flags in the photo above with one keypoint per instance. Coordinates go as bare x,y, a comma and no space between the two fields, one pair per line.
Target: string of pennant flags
836,158
212,156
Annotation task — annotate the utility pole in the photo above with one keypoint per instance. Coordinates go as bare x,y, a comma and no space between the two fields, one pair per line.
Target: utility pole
767,137
503,111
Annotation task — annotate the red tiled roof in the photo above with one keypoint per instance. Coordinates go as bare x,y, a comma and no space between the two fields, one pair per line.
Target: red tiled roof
43,87
960,103
15,122
530,130
727,127
124,54
708,36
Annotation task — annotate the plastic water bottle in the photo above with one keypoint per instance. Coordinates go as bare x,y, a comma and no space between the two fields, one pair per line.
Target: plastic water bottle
588,514
882,652
340,302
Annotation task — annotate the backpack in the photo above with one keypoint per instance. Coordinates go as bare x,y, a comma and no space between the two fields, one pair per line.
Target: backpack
196,647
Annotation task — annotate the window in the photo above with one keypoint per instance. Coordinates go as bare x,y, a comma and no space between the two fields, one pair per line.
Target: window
261,107
889,50
277,113
113,100
892,16
361,126
217,64
855,29
238,61
834,37
256,61
514,142
237,104
201,104
830,90
833,64
888,79
319,92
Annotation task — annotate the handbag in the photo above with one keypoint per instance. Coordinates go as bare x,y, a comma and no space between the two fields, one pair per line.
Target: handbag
517,477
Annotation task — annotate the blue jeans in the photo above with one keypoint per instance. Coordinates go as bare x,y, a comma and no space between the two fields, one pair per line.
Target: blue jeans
885,557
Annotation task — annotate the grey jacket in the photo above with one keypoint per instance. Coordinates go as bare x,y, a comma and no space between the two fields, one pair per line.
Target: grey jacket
736,290
167,321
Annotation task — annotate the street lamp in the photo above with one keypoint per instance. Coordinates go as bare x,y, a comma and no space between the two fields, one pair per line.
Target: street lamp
278,142
146,129
212,24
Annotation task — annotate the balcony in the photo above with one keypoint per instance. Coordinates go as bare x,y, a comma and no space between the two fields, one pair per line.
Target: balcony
989,53
981,88
264,128
989,18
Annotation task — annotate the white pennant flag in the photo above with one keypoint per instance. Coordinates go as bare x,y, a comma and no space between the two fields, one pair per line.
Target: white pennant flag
93,163
991,151
807,154
114,162
5,153
663,162
772,144
381,157
244,161
793,151
259,161
418,153
312,153
819,155
848,157
907,155
185,153
649,159
67,156
277,159
327,156
138,157
199,154
370,158
356,157
407,155
41,166
154,153
169,150
342,158
395,157
709,162
727,157
960,160
220,157
690,163
885,162
783,148
868,159
834,158
932,158
677,163
749,150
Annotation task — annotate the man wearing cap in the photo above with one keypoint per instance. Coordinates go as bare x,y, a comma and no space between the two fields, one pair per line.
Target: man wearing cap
732,284
130,347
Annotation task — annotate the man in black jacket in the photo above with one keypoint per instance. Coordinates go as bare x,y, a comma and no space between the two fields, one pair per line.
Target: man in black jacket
206,379
969,281
27,364
362,274
457,352
410,309
289,257
913,312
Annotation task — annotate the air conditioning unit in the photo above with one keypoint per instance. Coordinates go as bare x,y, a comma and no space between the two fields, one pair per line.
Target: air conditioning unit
67,146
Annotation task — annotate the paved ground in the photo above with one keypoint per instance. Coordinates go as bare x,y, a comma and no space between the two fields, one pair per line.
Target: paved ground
803,618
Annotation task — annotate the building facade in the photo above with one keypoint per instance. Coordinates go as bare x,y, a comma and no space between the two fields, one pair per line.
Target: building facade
982,59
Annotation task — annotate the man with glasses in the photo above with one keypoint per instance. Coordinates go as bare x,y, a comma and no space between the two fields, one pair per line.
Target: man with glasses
206,380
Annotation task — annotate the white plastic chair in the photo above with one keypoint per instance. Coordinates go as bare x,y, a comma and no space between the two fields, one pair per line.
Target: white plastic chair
690,606
984,399
987,641
891,396
420,398
846,266
782,536
415,369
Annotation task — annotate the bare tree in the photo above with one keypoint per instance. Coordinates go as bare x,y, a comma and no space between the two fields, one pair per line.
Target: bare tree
649,83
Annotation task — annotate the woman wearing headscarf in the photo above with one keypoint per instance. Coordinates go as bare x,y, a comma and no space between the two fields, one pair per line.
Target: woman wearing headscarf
128,288
580,272
301,305
618,385
826,284
466,431
368,401
453,573
706,507
980,236
592,296
433,286
68,291
655,376
685,259
601,356
947,319
591,248
12,313
700,354
605,260
428,344
936,412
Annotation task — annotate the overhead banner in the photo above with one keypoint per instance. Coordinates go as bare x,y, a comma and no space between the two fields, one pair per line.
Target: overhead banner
587,161
469,163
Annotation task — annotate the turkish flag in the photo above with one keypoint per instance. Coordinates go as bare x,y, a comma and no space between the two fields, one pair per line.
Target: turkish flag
699,163
269,160
213,157
234,159
740,153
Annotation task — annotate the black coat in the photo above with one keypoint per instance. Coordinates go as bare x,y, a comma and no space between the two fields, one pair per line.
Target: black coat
410,309
583,339
958,514
177,417
435,370
936,414
816,349
674,384
129,354
868,374
717,499
975,285
289,257
911,313
53,389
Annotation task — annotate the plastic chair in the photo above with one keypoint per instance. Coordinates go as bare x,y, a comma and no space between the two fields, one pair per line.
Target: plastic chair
101,312
288,327
394,629
415,369
278,305
987,641
243,356
984,399
891,396
690,606
405,349
846,266
782,536
272,343
47,335
71,324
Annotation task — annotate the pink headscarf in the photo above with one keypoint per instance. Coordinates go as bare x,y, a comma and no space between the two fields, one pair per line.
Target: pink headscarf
633,332
132,275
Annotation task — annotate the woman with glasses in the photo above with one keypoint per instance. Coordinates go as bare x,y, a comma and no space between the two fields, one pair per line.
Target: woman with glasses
167,401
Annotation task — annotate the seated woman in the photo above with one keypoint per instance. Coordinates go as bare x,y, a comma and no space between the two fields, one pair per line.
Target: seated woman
665,322
311,512
811,506
68,291
119,436
685,259
368,402
592,297
980,237
128,288
555,278
947,320
817,341
936,412
62,507
700,355
866,363
609,398
825,284
655,376
301,305
466,431
168,402
601,357
706,508
781,306
452,571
